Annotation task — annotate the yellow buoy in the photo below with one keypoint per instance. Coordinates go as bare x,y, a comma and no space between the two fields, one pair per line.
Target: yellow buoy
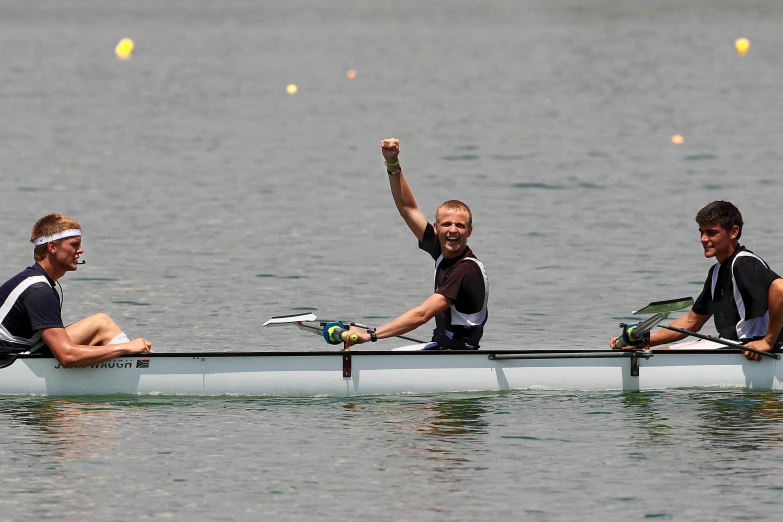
291,88
677,139
742,45
351,74
124,49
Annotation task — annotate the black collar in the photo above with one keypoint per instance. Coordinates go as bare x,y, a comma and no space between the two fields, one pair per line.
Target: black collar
38,268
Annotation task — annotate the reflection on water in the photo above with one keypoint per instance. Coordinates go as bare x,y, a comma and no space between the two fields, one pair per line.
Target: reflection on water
439,422
737,420
452,444
742,421
429,438
71,428
437,418
651,422
454,418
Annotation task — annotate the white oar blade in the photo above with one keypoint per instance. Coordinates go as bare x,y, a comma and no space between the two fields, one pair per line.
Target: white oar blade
282,320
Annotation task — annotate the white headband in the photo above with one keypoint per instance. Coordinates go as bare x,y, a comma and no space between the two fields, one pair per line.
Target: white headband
59,235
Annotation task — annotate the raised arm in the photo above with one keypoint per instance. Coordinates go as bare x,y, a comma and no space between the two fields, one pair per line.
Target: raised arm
401,192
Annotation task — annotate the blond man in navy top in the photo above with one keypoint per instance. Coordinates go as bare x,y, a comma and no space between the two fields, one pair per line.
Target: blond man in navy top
30,307
459,301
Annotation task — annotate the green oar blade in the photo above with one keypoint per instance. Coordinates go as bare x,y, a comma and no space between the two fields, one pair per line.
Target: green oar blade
666,307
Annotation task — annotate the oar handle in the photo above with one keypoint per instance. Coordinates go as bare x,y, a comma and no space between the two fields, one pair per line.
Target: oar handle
619,344
344,336
336,333
637,334
633,335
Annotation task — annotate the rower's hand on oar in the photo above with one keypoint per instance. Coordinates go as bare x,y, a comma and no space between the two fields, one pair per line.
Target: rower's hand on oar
390,149
613,347
364,337
140,346
761,345
613,340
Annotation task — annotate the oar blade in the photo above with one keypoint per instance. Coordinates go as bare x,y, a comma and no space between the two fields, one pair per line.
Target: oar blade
282,320
666,307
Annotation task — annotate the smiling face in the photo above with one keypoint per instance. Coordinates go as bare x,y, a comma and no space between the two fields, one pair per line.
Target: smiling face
717,241
453,230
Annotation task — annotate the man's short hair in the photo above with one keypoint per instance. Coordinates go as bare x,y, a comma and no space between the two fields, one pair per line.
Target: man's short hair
721,212
48,225
454,204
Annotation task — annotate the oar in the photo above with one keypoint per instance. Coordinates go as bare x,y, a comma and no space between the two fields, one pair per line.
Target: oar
639,334
283,320
336,333
300,319
634,334
411,339
665,307
720,341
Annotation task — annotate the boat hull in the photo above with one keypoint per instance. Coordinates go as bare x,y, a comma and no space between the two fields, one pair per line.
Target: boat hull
306,374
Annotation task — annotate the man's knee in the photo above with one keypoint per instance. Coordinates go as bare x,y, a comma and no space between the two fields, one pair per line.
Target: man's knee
105,319
103,323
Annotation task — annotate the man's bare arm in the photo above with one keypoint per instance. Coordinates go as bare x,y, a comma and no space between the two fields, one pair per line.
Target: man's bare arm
71,355
401,192
775,306
408,321
775,300
691,321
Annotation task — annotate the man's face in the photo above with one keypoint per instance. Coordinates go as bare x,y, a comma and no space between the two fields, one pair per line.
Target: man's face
453,231
716,240
68,251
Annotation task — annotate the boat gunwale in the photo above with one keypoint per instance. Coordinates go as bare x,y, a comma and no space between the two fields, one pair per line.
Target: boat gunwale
441,353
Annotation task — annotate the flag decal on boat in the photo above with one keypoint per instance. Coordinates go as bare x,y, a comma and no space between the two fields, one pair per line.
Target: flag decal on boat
142,363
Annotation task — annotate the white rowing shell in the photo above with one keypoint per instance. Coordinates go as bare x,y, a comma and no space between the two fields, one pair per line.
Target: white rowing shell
390,372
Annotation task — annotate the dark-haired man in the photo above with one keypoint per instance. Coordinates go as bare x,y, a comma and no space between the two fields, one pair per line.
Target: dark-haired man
459,303
30,314
741,292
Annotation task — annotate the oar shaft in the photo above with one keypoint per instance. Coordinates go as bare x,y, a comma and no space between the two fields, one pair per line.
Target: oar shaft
633,335
719,341
411,339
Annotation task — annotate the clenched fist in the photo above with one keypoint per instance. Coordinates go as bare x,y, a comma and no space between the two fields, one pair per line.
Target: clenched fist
390,149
